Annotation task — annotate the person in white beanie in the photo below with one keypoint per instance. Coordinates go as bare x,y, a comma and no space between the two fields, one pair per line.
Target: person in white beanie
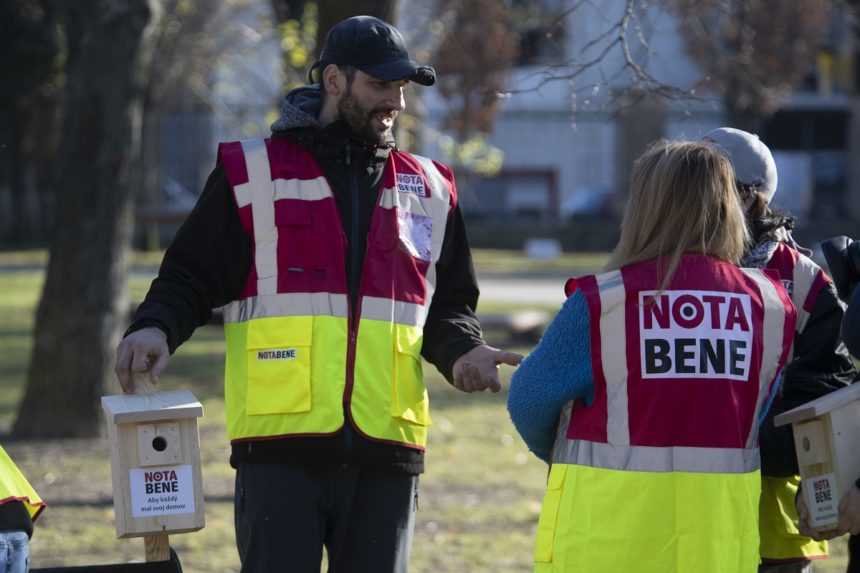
820,362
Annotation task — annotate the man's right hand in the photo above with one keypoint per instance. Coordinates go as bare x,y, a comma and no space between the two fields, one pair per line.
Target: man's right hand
143,350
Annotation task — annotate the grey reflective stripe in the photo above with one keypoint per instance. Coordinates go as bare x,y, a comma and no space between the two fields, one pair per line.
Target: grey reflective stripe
803,277
261,191
396,311
772,335
612,330
286,304
302,189
657,459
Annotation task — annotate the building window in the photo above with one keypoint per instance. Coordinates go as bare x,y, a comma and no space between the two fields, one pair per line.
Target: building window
541,29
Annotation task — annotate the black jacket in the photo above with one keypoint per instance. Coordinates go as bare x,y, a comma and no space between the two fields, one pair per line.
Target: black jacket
207,264
820,365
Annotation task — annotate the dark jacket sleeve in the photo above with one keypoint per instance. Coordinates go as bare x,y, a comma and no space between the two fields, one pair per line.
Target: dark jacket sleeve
452,329
821,364
205,266
851,324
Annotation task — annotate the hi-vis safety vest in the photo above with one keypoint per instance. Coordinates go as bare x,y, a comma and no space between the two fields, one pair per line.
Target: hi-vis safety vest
660,472
780,538
15,487
298,357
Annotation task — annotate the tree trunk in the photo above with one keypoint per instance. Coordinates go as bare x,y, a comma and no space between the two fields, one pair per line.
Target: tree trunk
82,303
333,11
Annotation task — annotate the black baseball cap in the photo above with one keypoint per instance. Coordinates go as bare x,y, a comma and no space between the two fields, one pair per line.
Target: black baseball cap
376,48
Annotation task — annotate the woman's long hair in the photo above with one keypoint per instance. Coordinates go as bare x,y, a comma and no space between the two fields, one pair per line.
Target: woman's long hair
682,200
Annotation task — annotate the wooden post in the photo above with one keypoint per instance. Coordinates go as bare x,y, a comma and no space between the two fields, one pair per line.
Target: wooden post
157,547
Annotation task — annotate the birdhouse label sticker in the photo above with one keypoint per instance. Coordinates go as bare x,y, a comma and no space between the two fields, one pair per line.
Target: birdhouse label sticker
167,490
821,499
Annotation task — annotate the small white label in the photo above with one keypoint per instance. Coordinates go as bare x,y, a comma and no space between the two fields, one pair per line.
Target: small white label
822,500
416,234
167,490
277,354
411,183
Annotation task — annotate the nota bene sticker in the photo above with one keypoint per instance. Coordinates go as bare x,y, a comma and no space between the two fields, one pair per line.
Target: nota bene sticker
164,490
692,333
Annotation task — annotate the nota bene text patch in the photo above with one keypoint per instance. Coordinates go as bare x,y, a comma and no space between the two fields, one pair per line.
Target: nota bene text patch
280,354
410,183
695,334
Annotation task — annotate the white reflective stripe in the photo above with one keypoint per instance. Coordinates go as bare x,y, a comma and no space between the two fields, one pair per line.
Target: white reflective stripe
614,364
773,330
388,198
286,304
804,274
436,207
657,459
561,439
261,191
303,189
397,311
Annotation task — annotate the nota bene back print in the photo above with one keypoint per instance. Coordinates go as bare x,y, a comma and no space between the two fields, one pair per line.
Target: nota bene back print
694,333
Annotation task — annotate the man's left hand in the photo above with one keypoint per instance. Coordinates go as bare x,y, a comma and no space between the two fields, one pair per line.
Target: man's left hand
478,369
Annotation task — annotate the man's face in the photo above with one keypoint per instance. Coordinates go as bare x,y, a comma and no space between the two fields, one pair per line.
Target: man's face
370,106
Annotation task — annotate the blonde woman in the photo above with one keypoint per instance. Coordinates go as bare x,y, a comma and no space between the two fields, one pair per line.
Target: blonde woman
646,391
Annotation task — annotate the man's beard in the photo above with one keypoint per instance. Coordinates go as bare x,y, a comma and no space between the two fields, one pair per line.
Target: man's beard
360,119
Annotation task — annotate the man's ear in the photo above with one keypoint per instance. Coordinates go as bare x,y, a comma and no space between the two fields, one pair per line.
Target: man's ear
333,81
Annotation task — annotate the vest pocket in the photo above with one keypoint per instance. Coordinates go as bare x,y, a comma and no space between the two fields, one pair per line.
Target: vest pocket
545,537
409,400
279,365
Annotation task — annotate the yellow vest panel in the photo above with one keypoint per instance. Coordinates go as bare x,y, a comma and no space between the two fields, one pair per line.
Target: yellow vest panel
14,486
778,518
611,521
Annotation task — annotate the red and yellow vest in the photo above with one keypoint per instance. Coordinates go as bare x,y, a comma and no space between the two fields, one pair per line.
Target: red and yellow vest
15,487
660,472
299,358
780,538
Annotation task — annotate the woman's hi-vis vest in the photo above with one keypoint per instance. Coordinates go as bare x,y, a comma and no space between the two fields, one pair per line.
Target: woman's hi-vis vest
660,472
780,538
15,487
298,357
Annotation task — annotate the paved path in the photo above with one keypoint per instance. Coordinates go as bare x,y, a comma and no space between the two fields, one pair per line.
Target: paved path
540,291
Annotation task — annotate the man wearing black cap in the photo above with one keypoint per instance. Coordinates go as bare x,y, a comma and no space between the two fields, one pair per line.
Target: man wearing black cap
340,261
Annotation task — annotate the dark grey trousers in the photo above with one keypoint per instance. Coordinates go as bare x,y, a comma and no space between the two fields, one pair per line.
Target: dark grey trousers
286,514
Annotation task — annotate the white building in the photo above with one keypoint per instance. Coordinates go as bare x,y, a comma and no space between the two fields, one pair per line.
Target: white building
568,146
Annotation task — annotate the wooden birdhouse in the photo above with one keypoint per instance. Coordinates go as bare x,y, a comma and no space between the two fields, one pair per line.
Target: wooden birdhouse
826,436
155,462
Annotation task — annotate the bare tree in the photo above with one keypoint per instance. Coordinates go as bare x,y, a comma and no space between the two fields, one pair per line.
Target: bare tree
29,98
78,318
753,52
473,60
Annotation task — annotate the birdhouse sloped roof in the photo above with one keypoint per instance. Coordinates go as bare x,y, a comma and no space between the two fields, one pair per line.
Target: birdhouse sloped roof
820,406
156,407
